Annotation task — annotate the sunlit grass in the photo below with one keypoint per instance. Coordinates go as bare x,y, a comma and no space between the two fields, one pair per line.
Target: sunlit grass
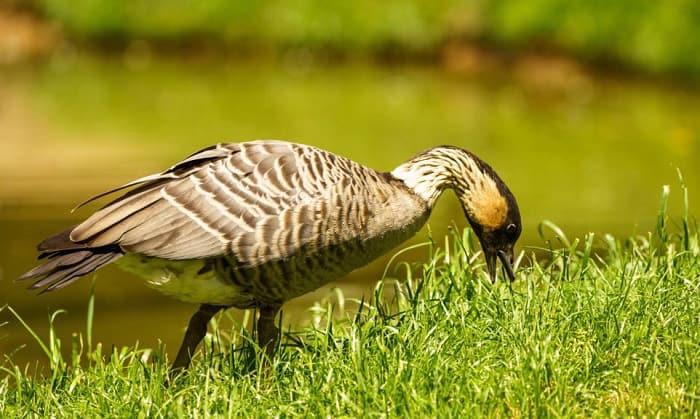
578,334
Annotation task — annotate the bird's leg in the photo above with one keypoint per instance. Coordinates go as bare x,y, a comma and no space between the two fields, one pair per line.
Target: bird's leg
267,331
196,330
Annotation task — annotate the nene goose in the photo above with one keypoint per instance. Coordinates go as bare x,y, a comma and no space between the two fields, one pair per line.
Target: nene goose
254,224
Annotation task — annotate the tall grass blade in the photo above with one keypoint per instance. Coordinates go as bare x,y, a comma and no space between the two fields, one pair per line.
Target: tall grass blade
558,232
686,227
662,217
31,331
90,315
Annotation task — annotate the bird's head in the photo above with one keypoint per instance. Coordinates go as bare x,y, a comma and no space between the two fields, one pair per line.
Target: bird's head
497,236
488,204
492,212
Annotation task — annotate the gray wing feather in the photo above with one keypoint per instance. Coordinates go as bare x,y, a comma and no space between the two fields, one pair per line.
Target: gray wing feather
253,200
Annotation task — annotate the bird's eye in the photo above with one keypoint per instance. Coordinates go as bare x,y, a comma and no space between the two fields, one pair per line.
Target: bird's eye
511,229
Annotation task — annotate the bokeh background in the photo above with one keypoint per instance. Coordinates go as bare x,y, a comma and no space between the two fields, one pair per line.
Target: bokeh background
585,108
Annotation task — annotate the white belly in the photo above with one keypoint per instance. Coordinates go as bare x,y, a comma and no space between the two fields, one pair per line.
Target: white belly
182,280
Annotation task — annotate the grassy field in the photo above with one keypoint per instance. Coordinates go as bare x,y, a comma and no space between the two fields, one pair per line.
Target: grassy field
576,335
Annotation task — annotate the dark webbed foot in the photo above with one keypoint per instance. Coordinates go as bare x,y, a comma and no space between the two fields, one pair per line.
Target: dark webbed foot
267,331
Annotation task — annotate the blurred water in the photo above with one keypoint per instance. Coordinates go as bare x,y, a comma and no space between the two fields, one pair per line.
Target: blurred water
589,155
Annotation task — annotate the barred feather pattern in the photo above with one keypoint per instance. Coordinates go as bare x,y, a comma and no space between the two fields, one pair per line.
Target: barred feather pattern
258,223
482,193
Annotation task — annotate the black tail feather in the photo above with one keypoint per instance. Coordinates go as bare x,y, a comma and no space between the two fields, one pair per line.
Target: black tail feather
53,263
65,266
62,270
60,241
85,268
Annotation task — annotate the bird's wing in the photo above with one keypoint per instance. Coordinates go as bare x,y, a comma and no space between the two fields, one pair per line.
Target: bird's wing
254,201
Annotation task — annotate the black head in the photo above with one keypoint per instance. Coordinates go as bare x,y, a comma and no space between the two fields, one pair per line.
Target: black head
492,212
498,242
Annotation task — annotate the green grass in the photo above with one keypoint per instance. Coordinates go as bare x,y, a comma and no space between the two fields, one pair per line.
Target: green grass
576,335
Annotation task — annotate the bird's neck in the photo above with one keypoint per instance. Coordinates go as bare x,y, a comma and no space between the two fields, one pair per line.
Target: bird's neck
425,177
429,173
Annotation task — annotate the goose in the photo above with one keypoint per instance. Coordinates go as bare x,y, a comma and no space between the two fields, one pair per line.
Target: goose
254,224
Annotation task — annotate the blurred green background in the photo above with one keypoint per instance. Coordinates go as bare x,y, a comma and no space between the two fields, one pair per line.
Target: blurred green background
585,108
656,36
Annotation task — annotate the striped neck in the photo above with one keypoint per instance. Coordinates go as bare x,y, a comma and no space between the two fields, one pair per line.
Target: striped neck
481,192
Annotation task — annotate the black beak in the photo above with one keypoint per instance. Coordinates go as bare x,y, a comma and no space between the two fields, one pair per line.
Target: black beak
506,257
507,261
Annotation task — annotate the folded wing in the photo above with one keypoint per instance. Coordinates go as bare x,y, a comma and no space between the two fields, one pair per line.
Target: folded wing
251,200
